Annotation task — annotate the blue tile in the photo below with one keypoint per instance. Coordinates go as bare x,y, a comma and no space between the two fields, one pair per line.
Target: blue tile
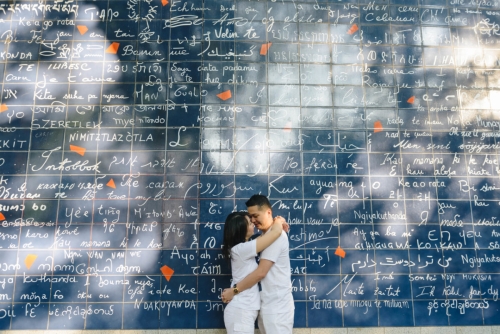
397,289
490,312
404,310
24,319
108,289
322,261
67,316
105,316
361,313
299,315
178,315
5,322
213,315
316,316
181,287
393,261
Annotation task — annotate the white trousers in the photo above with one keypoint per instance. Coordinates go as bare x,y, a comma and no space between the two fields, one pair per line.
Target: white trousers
238,320
280,323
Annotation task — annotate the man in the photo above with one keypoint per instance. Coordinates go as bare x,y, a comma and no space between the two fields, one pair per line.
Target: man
276,300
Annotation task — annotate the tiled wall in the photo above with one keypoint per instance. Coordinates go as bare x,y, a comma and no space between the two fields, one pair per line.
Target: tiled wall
379,330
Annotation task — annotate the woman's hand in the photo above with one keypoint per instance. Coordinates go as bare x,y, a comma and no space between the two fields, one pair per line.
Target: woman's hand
284,224
227,295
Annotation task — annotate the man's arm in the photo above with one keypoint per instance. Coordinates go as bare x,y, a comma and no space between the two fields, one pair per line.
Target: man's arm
250,280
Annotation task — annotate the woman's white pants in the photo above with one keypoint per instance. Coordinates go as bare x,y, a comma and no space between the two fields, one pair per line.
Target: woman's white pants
238,320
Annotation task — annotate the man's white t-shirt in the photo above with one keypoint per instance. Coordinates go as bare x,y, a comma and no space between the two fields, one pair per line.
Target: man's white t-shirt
276,295
242,264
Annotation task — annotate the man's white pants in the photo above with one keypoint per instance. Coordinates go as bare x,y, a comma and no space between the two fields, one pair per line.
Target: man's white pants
279,323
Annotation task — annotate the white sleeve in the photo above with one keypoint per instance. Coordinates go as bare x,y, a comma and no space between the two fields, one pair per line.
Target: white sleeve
273,252
245,250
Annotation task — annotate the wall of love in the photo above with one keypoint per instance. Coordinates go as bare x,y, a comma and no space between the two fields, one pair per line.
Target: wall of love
130,129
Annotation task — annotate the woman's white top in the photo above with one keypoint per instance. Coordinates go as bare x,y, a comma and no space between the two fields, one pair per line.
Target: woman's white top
243,263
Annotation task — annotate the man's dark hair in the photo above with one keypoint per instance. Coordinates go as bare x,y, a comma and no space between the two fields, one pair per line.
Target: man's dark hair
259,200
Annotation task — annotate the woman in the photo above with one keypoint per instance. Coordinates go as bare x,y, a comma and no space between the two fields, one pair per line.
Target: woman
241,312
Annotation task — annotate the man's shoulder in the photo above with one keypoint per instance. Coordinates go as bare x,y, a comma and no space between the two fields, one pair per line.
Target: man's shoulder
279,245
283,238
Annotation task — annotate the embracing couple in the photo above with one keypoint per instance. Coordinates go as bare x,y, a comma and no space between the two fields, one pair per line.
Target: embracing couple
244,299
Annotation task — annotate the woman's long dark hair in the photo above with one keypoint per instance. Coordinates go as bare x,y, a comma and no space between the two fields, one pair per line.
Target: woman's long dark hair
235,232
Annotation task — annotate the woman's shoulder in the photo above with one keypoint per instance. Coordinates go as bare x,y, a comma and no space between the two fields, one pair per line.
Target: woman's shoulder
248,246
